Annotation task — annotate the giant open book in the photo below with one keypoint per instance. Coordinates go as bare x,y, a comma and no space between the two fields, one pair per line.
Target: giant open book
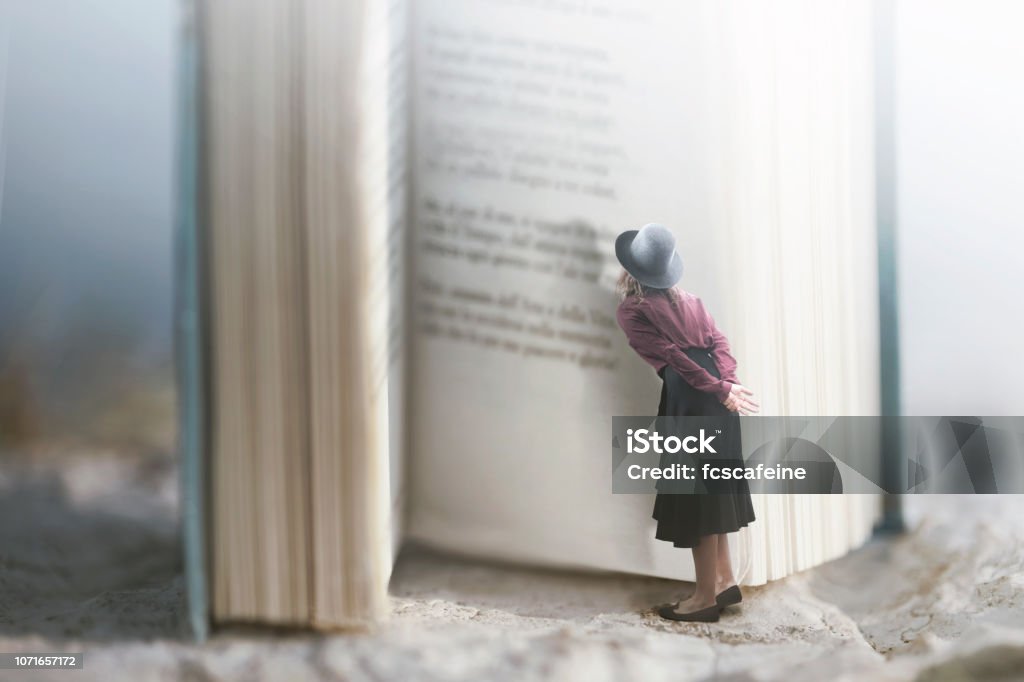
397,277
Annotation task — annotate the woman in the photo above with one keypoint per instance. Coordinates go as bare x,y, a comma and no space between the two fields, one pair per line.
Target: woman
672,331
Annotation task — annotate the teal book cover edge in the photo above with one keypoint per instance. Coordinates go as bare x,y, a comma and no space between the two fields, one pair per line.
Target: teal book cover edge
189,330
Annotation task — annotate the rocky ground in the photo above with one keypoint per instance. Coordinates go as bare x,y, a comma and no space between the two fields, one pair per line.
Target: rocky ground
89,561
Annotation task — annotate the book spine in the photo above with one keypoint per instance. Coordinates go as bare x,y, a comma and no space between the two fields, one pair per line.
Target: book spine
189,329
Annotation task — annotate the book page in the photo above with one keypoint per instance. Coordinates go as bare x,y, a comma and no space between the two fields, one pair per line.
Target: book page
384,186
542,130
304,182
534,146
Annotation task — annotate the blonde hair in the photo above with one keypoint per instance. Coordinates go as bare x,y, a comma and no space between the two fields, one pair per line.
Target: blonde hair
629,287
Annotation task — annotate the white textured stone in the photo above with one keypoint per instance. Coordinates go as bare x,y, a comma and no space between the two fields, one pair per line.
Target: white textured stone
944,601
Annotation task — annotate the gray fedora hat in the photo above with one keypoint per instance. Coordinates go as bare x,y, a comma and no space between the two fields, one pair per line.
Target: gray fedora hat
649,254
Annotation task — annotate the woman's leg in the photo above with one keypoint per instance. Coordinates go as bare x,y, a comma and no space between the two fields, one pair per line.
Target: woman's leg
705,560
725,576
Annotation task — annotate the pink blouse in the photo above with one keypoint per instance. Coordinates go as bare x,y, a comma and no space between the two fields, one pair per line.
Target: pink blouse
659,329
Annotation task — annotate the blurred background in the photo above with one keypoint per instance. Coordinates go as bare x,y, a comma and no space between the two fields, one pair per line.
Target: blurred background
87,135
958,145
87,101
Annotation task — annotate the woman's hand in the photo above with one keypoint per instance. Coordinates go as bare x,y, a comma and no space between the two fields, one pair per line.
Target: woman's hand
741,399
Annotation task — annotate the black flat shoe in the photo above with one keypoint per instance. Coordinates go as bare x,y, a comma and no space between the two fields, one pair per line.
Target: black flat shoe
708,615
729,596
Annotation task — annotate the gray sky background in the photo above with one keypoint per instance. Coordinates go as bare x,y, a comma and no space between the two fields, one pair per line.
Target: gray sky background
88,127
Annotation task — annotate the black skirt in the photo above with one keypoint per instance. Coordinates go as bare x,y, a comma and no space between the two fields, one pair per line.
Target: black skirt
725,507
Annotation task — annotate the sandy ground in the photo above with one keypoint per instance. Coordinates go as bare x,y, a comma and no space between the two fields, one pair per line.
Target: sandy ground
89,561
